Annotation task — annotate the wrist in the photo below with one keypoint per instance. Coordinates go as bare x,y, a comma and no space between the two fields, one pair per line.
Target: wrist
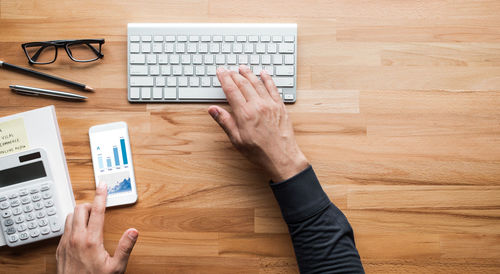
289,166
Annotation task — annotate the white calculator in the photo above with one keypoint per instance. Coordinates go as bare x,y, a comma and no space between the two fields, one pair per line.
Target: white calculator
28,206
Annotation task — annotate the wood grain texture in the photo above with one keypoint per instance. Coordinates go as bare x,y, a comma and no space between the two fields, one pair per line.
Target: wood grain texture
398,111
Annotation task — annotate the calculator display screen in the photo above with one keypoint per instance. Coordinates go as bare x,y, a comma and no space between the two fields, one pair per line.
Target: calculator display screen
19,174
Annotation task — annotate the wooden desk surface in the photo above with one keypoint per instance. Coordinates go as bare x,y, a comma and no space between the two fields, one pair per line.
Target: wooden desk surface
398,111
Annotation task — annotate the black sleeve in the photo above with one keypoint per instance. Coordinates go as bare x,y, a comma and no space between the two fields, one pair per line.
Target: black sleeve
322,237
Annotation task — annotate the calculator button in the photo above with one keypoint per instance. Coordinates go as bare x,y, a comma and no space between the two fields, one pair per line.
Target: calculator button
4,205
30,217
25,200
6,214
51,211
13,195
47,195
8,222
34,233
45,188
10,230
14,203
38,205
36,197
22,227
13,238
54,224
17,211
32,225
49,203
44,230
43,222
28,208
40,214
23,236
23,192
19,219
3,198
33,191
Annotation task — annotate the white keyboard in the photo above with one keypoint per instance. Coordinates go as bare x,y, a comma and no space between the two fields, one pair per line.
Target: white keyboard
177,62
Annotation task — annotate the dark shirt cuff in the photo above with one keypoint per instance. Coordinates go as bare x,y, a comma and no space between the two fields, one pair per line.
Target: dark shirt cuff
301,196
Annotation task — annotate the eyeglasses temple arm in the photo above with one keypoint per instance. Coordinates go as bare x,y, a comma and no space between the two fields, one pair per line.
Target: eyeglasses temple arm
37,54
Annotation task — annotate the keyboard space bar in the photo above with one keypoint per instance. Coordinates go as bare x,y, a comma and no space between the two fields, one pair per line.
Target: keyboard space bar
201,93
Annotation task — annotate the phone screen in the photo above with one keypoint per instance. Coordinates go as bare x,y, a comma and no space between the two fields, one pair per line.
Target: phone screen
112,160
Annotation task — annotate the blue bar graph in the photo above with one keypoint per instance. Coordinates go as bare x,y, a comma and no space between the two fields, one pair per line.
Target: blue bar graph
101,165
115,152
124,151
108,162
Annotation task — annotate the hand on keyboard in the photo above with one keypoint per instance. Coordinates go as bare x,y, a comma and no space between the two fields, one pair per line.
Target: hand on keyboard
259,126
81,248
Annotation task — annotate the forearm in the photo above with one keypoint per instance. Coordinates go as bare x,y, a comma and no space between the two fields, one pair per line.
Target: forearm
322,237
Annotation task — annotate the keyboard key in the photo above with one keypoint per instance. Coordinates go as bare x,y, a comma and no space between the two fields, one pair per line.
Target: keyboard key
162,59
256,70
135,38
170,93
146,38
194,81
191,48
141,81
17,211
283,81
271,48
177,70
211,70
182,81
201,93
197,59
169,38
27,208
260,48
3,198
44,188
145,93
30,216
19,219
13,196
145,47
277,38
277,59
242,59
231,59
180,48
158,38
46,195
188,70
137,58
160,81
22,227
289,38
171,81
157,94
220,59
215,81
38,205
253,38
36,197
209,59
4,205
169,47
186,59
175,59
200,70
205,81
205,38
238,48
284,70
138,70
194,38
214,48
49,203
241,38
181,38
151,58
266,59
254,59
289,59
25,200
135,48
203,48
248,48
16,202
154,70
135,93
229,38
226,48
157,47
217,38
265,38
25,192
40,214
32,225
286,48
33,191
166,70
43,222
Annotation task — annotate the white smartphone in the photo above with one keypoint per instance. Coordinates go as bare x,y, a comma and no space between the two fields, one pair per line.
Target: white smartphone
112,161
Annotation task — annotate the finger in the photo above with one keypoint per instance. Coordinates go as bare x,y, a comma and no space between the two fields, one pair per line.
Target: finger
256,83
270,86
225,121
67,232
233,94
125,246
96,221
244,86
81,218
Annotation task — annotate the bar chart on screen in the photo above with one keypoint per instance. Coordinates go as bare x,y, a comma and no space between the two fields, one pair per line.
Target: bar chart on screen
113,162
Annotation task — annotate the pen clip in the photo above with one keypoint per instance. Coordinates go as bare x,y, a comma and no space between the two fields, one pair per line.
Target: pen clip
27,93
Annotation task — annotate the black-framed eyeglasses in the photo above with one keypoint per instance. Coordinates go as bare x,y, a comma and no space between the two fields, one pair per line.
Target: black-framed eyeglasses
84,50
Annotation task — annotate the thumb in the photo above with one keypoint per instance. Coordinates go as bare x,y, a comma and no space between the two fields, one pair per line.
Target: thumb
125,246
225,121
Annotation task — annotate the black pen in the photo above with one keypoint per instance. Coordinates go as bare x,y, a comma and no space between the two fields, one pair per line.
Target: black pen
46,92
45,76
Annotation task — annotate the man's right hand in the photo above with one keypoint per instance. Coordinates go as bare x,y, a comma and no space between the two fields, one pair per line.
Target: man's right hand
259,126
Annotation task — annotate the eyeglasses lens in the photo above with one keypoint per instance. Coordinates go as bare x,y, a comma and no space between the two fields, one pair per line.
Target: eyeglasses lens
41,53
85,51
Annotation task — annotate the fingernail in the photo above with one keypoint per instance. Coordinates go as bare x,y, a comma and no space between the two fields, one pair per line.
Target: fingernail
221,69
244,68
213,112
263,72
102,186
132,234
